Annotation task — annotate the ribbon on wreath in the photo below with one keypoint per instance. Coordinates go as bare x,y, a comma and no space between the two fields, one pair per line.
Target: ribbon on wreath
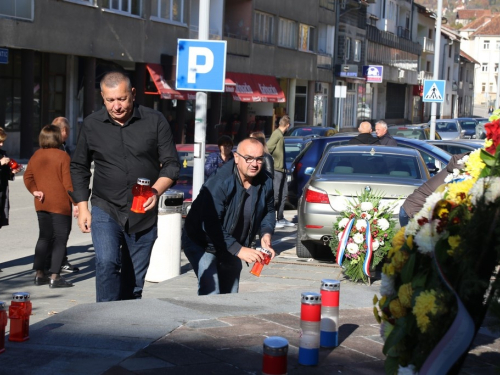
343,245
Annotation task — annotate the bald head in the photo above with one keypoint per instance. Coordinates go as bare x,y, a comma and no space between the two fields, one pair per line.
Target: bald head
63,124
365,127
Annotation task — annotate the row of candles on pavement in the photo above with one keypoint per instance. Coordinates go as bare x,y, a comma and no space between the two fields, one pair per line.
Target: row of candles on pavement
19,316
319,322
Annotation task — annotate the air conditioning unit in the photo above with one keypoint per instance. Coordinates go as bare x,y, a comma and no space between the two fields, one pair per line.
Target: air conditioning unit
401,74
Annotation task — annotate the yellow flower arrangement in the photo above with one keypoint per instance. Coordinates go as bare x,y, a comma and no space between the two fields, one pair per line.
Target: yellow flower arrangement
425,304
397,309
474,165
457,192
405,293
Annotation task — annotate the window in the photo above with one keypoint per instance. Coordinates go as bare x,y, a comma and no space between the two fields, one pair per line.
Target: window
496,68
490,87
84,2
131,7
357,50
448,74
497,45
483,87
287,34
21,9
300,103
428,66
306,38
450,47
263,28
325,39
170,10
327,4
347,54
486,44
484,67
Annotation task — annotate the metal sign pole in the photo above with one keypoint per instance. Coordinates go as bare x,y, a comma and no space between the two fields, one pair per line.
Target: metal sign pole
437,47
200,129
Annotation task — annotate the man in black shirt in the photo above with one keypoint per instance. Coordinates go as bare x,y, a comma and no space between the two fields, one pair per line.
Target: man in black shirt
125,142
364,137
383,136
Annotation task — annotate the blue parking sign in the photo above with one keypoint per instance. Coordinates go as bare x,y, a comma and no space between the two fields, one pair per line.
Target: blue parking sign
201,65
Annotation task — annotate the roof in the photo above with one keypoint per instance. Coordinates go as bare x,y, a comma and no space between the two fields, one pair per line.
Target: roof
476,24
451,34
467,14
468,57
490,28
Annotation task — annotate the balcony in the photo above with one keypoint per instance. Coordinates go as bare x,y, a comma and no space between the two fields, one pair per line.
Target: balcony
390,40
423,75
324,61
237,46
427,44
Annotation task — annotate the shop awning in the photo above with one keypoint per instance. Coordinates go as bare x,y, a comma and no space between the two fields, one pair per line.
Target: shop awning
254,88
164,87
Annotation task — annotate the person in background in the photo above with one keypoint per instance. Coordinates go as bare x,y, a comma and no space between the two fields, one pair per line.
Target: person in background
268,159
63,124
383,136
233,206
48,179
126,142
276,146
6,175
217,159
364,137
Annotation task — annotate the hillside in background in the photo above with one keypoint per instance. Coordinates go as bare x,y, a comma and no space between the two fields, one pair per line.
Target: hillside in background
450,7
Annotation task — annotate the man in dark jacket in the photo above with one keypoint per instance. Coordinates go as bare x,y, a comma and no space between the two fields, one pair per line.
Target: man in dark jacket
233,206
416,200
364,137
383,136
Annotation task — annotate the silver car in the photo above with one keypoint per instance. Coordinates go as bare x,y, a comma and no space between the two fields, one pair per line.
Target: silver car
449,129
343,173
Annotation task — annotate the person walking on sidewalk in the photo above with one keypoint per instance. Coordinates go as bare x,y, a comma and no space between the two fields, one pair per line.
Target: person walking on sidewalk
125,142
276,146
47,177
233,206
383,136
364,137
63,124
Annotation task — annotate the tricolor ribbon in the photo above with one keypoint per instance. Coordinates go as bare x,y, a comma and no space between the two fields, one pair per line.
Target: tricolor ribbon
343,244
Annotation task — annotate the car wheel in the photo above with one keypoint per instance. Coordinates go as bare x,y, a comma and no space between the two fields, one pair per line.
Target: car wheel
305,249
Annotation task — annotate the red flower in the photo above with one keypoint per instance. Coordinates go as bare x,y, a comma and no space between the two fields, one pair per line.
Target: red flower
493,133
375,221
375,209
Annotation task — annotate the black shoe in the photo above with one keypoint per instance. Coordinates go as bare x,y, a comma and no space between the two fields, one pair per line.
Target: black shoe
60,283
44,280
68,268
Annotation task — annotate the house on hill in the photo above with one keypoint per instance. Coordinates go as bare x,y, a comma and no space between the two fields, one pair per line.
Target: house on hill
465,16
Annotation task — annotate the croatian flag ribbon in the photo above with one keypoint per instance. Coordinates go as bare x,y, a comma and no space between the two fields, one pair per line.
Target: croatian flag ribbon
369,250
343,244
343,241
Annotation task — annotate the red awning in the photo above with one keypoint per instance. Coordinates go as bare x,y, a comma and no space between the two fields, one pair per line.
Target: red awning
254,88
165,89
269,89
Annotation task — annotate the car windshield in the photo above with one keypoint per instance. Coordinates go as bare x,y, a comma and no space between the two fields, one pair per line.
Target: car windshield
468,125
408,132
292,150
390,165
445,127
307,131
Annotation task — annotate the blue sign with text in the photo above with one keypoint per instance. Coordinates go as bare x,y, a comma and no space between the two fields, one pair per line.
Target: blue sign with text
201,65
4,56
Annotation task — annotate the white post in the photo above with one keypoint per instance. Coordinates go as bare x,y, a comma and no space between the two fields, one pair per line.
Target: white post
437,48
200,127
497,103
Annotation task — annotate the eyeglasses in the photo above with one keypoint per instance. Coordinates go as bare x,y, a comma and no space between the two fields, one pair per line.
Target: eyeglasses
251,159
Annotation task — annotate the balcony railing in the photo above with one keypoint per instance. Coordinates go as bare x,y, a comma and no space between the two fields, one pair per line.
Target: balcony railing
388,39
403,32
237,46
427,44
324,61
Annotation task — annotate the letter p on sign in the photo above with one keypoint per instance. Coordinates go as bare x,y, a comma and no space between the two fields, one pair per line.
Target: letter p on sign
201,65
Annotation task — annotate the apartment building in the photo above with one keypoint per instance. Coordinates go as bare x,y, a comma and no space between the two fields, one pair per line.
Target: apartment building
53,54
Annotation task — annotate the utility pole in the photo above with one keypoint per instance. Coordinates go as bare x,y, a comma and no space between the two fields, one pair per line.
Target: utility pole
437,51
200,127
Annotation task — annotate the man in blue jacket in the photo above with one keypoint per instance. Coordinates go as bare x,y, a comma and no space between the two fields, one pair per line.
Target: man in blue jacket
233,206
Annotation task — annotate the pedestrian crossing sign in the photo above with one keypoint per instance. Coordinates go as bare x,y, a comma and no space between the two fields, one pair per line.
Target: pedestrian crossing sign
434,91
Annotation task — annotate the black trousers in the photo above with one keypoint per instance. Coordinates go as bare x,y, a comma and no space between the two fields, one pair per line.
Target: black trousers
52,239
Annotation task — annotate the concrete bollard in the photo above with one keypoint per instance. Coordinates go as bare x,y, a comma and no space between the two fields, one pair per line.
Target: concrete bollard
165,261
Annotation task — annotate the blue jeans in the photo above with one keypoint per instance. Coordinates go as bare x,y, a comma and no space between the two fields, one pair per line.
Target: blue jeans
121,259
214,276
403,217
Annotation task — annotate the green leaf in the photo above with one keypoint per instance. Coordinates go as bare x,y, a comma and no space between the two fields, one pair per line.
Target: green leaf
391,365
487,158
397,334
418,281
407,271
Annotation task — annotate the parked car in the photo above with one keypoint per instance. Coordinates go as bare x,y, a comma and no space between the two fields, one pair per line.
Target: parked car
469,125
416,131
434,157
458,146
185,181
301,131
342,174
480,131
293,146
449,129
